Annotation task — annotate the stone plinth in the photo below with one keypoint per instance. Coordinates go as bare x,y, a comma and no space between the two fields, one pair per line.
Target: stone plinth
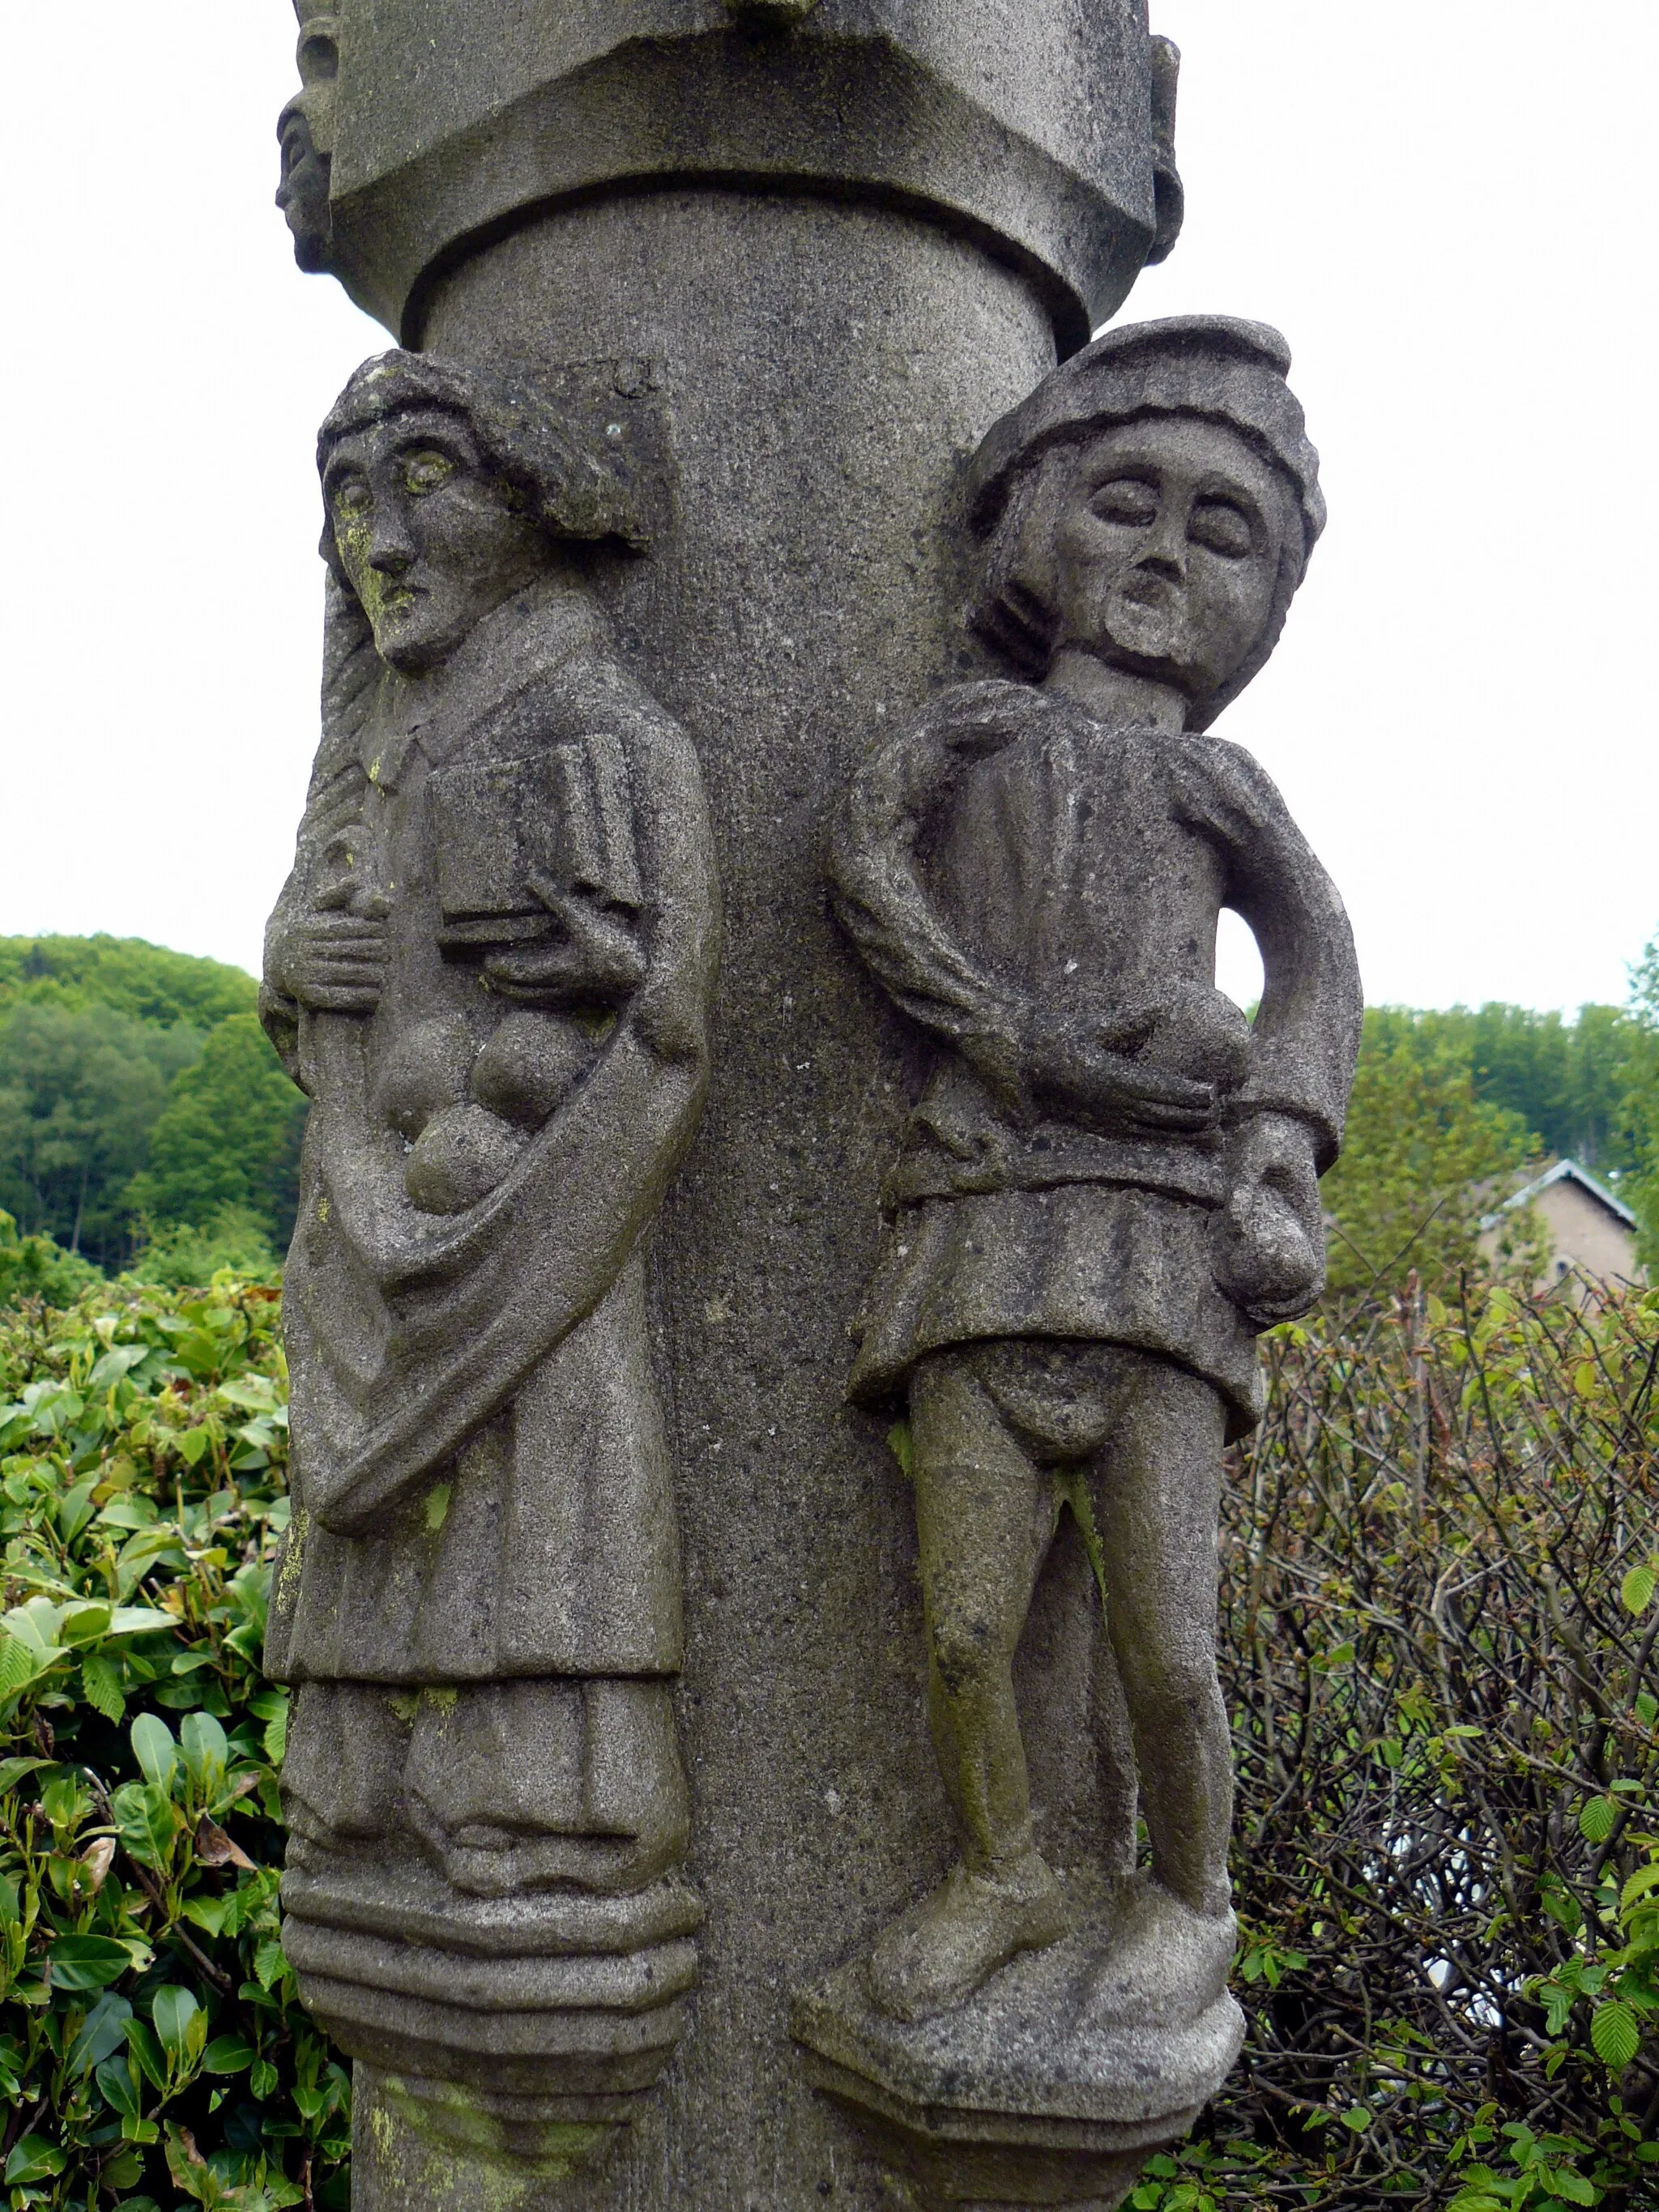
1032,2092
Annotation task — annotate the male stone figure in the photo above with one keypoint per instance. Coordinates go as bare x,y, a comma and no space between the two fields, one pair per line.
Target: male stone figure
1111,1184
491,970
305,134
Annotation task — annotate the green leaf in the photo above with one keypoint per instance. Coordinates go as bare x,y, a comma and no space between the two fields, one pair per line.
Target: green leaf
173,2010
1615,2034
192,1445
12,1771
228,2054
1597,1818
207,1754
1635,1591
275,1738
100,1685
139,1620
149,1822
84,1623
270,1964
34,2159
140,2042
120,2090
264,2078
154,1748
19,1664
1573,2187
104,2030
87,1962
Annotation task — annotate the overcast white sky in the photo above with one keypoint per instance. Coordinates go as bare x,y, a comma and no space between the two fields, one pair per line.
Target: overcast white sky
1447,205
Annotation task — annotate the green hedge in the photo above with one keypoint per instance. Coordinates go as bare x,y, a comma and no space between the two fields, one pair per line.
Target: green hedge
1439,1634
1440,1625
151,2050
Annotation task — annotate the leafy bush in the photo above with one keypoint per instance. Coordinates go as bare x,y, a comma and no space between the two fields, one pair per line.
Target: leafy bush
1440,1614
151,2048
234,1238
1439,1631
36,1267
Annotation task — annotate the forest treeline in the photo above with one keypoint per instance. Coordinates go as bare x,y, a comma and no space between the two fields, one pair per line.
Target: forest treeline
141,1107
141,1111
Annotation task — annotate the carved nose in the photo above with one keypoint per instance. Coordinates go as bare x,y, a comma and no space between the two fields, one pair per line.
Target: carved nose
392,553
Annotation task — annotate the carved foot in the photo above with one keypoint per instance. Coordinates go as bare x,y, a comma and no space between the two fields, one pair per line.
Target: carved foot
1165,1967
958,1939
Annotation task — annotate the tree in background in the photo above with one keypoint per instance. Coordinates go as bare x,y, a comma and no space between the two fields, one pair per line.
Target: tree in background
111,1135
226,1138
81,1090
145,982
1425,1156
1639,1078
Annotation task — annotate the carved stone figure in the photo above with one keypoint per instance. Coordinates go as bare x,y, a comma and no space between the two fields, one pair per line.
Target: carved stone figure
305,133
1110,1185
491,970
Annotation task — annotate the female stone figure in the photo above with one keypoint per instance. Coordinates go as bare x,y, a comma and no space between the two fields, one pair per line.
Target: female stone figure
491,970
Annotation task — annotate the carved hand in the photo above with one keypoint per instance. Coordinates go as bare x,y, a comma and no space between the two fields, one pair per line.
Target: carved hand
1271,1238
335,963
1085,1066
597,959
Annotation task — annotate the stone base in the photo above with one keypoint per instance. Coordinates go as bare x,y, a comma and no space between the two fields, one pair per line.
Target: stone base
424,2146
1018,2097
553,2009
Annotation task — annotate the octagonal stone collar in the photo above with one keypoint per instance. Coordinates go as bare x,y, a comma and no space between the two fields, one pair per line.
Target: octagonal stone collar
1028,126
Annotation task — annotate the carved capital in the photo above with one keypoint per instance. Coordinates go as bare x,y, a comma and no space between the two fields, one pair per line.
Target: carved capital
1032,130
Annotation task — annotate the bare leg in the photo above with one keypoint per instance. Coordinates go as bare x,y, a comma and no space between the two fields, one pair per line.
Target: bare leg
984,1520
1156,1493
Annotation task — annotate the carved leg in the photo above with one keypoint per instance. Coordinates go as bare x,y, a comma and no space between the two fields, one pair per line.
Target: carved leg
985,1518
1156,1492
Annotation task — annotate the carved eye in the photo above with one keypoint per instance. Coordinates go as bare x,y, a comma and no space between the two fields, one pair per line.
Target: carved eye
350,495
425,471
1128,501
1222,527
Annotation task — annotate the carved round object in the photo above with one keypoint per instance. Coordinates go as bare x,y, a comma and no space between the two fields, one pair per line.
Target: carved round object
1201,1034
460,1158
529,1066
424,1074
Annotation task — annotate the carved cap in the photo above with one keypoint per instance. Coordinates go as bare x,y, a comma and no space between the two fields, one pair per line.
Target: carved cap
1231,371
577,486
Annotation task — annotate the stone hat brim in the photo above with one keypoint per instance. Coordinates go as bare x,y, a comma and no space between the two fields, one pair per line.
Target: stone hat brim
1217,366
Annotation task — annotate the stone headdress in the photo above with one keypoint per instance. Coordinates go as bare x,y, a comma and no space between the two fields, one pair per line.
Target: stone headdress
1213,366
574,485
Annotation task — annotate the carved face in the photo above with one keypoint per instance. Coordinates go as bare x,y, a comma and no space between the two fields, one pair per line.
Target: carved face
1166,550
430,540
302,195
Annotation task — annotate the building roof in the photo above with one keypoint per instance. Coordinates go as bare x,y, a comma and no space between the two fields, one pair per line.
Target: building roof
1564,1171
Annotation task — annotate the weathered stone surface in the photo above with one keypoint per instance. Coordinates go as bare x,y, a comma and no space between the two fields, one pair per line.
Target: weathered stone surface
775,271
491,970
1108,1189
1030,129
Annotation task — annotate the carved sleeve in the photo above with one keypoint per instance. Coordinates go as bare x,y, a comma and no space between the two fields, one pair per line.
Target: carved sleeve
1307,1029
881,895
334,800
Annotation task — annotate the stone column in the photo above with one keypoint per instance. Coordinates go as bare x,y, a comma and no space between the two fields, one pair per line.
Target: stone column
802,256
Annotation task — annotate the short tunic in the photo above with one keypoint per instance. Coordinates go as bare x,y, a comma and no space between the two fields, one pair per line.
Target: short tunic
1009,854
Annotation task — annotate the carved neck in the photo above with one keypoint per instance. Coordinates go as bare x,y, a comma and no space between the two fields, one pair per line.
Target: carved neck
1115,697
